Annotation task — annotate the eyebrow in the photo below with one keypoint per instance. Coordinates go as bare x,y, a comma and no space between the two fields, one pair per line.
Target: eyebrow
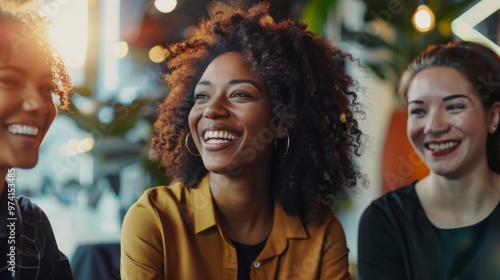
416,102
241,81
447,98
455,96
233,82
204,83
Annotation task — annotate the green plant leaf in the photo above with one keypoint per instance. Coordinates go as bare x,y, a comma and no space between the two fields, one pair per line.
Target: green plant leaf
408,43
316,12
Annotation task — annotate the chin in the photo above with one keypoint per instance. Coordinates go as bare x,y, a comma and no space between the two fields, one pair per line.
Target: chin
26,164
448,173
231,168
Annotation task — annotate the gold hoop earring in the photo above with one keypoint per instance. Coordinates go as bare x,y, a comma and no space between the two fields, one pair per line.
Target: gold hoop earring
287,145
187,146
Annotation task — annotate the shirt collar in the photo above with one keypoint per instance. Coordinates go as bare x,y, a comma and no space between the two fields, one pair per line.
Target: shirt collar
285,226
203,205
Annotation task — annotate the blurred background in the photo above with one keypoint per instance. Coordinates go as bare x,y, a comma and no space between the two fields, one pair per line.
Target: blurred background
94,162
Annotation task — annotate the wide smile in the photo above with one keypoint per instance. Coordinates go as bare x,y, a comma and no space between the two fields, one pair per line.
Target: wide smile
23,130
215,136
442,148
218,139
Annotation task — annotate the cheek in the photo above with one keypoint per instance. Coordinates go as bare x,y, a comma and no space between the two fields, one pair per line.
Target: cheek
257,122
413,129
193,120
467,121
49,118
52,112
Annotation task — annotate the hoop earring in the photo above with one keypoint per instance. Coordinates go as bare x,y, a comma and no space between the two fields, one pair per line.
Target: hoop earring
187,146
287,145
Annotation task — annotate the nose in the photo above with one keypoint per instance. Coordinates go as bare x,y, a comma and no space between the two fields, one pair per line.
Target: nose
217,108
436,123
33,101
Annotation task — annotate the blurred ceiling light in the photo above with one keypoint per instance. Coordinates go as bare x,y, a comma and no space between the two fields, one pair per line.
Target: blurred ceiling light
108,78
165,6
156,54
423,19
463,26
121,49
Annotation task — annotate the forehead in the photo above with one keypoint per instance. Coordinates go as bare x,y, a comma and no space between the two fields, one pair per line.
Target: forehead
16,43
229,64
28,56
439,82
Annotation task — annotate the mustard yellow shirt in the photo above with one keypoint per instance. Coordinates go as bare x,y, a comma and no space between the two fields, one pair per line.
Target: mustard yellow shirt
172,233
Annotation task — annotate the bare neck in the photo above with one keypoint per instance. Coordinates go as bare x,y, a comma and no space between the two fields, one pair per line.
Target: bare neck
459,202
245,207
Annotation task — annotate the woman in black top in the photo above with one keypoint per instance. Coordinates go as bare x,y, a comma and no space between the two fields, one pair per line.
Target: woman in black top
31,74
446,225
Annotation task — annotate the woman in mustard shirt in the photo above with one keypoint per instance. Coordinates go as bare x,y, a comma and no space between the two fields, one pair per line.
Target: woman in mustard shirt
259,134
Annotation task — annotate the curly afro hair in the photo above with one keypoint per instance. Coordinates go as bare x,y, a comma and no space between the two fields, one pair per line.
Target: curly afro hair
20,25
311,94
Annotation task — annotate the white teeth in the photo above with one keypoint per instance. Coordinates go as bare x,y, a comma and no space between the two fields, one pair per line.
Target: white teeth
23,129
442,146
220,135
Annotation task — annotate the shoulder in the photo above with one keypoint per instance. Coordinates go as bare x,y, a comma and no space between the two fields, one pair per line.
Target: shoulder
335,228
329,237
401,199
496,212
159,203
329,226
160,211
26,205
163,195
396,209
38,241
30,212
34,220
331,220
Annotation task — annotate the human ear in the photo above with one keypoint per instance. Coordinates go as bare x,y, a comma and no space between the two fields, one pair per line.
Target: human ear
494,117
279,128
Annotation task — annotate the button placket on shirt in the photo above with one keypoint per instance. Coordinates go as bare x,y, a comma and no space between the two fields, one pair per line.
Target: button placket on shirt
257,264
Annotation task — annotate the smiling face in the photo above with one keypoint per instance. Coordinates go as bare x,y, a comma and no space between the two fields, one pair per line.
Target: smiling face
447,124
26,106
231,121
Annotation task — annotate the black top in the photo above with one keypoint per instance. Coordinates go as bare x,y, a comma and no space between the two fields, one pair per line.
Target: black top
246,254
37,254
397,241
